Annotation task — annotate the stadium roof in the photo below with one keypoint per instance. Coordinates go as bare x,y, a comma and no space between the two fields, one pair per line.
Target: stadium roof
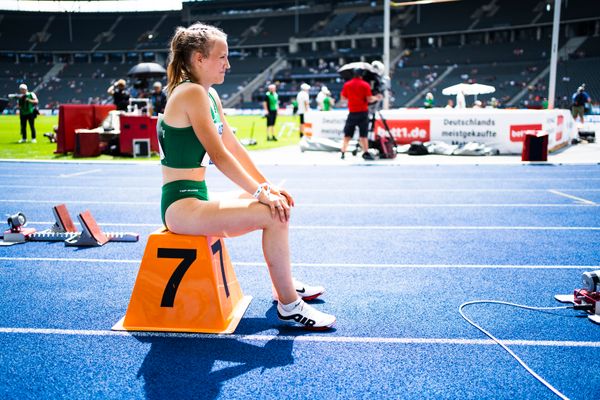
90,6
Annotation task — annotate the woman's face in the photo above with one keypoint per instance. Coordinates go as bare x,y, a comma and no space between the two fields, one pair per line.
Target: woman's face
214,67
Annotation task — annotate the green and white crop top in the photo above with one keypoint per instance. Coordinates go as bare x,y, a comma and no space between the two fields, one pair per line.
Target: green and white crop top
180,147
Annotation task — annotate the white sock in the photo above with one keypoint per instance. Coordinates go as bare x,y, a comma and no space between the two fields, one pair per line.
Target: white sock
291,306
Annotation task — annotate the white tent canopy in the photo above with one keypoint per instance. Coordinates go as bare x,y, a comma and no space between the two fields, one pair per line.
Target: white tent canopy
468,89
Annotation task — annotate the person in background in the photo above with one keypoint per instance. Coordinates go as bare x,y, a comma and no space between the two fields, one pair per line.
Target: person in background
428,103
359,95
303,100
460,100
27,112
450,104
324,99
271,105
580,100
120,94
158,99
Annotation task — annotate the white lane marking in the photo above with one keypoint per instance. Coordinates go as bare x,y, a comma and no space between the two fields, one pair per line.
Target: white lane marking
70,260
380,227
315,265
91,171
354,179
442,228
312,338
88,188
130,203
325,205
433,205
328,190
569,196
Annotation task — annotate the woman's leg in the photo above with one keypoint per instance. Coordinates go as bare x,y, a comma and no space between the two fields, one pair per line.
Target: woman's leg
234,217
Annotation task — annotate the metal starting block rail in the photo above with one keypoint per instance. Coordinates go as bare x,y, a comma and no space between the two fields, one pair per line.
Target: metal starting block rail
91,235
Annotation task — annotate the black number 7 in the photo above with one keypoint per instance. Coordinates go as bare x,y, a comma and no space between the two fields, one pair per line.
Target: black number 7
188,256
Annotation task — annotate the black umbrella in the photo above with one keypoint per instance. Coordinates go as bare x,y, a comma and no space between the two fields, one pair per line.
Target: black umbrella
147,70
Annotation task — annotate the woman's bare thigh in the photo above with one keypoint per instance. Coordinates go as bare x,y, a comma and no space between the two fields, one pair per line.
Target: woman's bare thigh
226,217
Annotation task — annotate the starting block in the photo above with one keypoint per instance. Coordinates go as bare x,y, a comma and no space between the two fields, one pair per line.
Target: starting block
91,235
63,228
185,284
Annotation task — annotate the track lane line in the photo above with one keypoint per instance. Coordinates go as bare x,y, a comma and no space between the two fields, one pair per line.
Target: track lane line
569,196
313,265
91,171
311,338
373,227
327,205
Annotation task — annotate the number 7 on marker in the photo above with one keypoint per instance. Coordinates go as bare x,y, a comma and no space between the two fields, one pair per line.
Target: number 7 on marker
187,256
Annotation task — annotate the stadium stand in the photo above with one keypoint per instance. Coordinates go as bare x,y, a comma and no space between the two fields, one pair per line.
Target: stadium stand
73,57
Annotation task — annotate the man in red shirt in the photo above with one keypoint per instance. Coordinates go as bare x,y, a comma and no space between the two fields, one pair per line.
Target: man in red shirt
359,95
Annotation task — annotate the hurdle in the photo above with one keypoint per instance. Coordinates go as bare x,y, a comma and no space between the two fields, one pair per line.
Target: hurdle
185,284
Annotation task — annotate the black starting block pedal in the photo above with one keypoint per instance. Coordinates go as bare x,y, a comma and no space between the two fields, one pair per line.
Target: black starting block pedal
92,235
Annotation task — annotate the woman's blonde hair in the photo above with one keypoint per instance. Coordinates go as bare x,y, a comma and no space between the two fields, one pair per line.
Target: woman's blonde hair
198,37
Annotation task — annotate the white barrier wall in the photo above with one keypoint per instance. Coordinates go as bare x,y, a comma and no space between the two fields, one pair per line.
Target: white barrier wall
502,129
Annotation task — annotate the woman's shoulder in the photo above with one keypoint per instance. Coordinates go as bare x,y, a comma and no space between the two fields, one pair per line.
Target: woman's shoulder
186,91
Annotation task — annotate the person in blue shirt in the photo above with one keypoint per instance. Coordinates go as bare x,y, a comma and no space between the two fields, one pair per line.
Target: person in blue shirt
158,99
580,100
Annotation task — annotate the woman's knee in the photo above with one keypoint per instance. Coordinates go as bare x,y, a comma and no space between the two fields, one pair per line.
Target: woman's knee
270,220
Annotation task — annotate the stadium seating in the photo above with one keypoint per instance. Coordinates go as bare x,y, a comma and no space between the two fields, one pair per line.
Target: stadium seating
483,41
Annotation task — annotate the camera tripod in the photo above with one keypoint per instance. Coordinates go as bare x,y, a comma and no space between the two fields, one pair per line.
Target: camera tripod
374,110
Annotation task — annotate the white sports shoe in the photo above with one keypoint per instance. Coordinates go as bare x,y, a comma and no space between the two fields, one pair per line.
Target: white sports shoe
22,140
307,292
33,141
307,316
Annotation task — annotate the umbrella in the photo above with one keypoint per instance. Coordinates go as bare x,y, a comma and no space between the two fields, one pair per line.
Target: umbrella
468,89
346,71
147,70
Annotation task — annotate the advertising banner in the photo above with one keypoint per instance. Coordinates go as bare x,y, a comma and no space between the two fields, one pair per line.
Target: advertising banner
502,129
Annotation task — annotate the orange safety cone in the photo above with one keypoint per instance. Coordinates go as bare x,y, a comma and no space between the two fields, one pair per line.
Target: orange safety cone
185,284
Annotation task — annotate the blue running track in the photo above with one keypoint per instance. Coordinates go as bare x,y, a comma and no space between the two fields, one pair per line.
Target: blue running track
399,249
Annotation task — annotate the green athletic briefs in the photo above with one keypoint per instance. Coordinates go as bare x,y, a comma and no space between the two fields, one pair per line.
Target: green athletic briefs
177,190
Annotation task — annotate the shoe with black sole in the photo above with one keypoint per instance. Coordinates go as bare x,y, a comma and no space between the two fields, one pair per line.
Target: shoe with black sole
306,316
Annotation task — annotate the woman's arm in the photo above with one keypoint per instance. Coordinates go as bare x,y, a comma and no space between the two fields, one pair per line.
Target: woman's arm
197,107
243,157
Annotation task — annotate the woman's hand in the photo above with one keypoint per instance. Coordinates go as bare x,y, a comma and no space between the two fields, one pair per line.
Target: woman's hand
282,192
278,204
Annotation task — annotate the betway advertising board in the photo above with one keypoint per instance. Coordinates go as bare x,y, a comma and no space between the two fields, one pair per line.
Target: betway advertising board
502,129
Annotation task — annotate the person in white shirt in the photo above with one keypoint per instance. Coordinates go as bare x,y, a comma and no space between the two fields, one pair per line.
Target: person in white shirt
321,97
460,100
303,100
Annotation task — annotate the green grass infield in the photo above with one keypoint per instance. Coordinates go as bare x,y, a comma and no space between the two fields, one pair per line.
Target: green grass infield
247,127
